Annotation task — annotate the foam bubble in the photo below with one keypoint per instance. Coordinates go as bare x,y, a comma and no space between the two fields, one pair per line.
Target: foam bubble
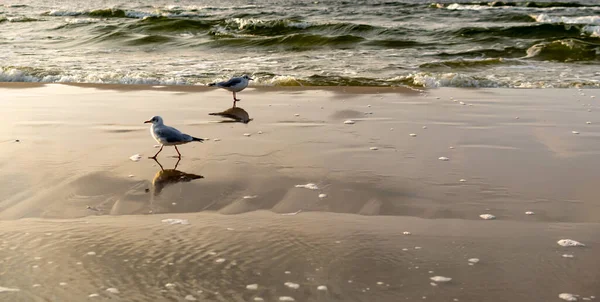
433,284
93,295
286,298
529,213
589,123
63,284
322,195
569,242
487,216
349,122
91,253
374,148
190,298
247,134
250,196
444,158
440,279
462,180
292,285
36,285
8,289
258,299
175,221
575,132
406,233
310,186
322,287
567,297
169,285
252,286
135,157
220,260
112,290
413,135
473,260
567,256
287,272
296,114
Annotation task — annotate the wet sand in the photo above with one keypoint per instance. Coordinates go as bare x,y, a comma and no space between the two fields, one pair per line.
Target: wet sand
70,188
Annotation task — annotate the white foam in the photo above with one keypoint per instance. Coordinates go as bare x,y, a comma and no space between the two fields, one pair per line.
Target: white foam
322,287
287,272
569,243
260,132
296,114
37,258
63,284
574,132
417,247
286,298
91,253
247,134
379,283
349,122
292,285
169,285
252,286
444,158
545,18
190,298
112,290
93,295
462,180
310,186
258,299
135,157
529,213
424,127
8,289
291,214
322,195
175,221
567,256
413,135
440,279
487,216
374,148
588,123
250,196
406,233
567,297
473,260
36,285
220,260
433,284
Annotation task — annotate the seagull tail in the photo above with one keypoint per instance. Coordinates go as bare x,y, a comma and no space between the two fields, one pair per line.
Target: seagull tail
195,139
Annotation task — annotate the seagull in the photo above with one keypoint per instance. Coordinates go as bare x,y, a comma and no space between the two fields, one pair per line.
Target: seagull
235,84
168,136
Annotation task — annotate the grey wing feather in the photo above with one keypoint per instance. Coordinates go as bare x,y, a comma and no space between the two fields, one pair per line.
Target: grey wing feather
230,82
170,134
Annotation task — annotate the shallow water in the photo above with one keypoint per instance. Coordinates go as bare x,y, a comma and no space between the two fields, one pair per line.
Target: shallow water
281,42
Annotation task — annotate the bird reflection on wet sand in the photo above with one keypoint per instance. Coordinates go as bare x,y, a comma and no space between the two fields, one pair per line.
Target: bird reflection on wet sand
238,115
166,177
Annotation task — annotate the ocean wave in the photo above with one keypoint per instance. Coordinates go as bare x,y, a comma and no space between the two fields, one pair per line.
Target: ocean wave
417,79
464,63
593,31
545,18
502,4
18,19
290,42
534,31
564,51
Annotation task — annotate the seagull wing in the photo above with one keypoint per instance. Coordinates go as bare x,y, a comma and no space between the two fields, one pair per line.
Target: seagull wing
170,134
230,83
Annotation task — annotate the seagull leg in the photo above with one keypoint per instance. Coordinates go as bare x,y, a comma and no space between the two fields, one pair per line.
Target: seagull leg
236,99
154,157
177,164
177,152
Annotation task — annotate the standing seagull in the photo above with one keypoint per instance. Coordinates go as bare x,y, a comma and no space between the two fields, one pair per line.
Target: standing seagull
234,85
168,136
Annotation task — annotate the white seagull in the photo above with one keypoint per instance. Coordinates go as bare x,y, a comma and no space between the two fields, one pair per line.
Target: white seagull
168,136
235,84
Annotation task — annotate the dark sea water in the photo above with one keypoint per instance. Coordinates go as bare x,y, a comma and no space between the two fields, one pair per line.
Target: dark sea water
280,42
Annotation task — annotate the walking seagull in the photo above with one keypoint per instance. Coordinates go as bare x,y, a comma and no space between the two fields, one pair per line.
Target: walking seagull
168,136
234,85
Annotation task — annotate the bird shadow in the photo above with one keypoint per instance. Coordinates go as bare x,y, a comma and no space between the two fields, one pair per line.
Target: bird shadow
167,177
235,114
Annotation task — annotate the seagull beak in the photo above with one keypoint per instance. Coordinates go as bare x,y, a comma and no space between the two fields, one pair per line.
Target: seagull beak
146,122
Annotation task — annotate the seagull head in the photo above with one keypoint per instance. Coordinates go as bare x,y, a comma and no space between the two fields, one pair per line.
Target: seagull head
247,77
155,120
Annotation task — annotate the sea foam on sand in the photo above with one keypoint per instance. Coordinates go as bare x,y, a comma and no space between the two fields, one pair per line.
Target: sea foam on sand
567,297
310,186
569,242
7,289
175,221
440,279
